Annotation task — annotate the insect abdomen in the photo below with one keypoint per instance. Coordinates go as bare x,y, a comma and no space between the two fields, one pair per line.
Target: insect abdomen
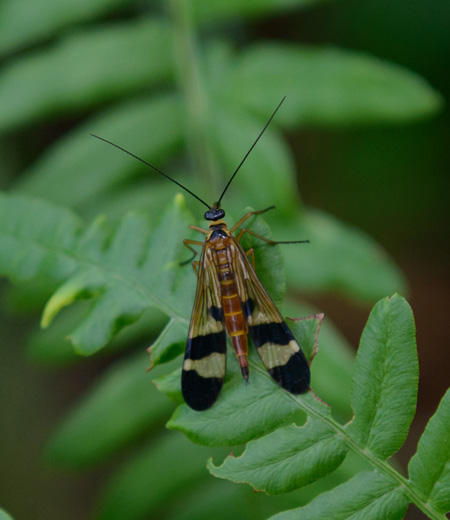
235,322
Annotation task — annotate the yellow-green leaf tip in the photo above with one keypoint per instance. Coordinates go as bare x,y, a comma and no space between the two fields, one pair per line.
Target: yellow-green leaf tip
62,297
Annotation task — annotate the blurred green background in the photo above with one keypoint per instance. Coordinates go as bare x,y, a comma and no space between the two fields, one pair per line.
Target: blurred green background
388,178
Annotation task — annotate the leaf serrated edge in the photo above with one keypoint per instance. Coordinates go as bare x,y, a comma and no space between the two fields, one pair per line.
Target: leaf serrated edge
210,466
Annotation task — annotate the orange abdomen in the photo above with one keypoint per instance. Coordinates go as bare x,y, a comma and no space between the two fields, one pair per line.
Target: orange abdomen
235,322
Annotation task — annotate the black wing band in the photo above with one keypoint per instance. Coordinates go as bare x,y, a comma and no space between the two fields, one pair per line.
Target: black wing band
204,362
275,343
282,356
203,370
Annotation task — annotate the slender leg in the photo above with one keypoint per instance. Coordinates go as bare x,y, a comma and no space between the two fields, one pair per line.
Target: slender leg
201,230
195,265
251,253
195,253
271,242
248,215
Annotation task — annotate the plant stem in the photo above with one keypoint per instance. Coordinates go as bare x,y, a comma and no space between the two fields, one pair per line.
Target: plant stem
381,465
188,58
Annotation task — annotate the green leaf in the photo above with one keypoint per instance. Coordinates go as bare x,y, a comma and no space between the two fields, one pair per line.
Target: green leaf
215,10
222,500
329,86
4,515
258,408
286,459
385,378
129,275
429,469
23,21
338,258
83,69
34,239
170,343
153,477
145,277
331,370
79,168
170,385
52,346
367,496
121,407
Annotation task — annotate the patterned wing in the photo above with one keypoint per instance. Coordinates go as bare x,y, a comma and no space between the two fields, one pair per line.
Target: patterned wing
205,357
275,343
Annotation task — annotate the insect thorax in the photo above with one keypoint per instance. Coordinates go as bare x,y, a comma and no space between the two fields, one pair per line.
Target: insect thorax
218,230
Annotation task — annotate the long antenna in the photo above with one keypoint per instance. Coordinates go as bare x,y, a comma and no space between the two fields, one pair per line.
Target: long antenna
154,168
248,153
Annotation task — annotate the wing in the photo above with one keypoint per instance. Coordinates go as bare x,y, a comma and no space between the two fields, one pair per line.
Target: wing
205,357
275,343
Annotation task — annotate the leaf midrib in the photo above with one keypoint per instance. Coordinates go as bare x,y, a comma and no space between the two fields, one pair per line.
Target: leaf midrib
381,465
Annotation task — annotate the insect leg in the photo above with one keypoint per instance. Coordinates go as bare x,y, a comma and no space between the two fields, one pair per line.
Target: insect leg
195,243
271,242
247,216
251,253
201,230
195,265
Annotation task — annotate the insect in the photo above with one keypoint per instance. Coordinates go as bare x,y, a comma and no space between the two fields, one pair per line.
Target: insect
231,300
